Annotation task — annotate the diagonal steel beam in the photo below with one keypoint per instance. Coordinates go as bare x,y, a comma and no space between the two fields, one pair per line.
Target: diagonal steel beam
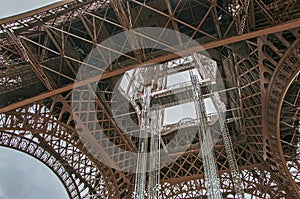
126,22
25,52
173,18
28,55
210,45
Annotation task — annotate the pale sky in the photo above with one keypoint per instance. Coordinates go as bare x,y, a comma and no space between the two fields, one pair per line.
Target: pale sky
21,176
12,7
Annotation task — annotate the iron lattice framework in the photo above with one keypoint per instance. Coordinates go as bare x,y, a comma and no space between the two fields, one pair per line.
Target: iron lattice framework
254,42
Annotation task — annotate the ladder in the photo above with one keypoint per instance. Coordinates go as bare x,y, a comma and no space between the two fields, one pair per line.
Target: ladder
237,182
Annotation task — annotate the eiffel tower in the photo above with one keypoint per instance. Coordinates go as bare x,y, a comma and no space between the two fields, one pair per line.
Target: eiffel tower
254,43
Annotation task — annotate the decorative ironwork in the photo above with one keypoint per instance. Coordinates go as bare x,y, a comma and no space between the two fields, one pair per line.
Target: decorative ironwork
254,42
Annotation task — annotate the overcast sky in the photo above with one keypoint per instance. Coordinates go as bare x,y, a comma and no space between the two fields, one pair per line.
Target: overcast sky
12,7
21,176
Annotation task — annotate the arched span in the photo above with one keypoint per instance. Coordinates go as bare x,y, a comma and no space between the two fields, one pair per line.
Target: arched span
32,148
39,122
286,69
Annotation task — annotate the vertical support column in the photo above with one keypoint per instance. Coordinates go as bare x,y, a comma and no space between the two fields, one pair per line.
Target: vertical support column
141,166
154,174
150,126
212,182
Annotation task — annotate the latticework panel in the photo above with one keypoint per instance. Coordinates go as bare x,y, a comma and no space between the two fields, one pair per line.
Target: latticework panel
254,42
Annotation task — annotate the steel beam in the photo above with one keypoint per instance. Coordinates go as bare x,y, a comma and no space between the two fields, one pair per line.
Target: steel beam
210,45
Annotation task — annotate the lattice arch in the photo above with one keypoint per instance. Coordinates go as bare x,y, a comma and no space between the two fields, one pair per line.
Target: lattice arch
51,120
32,148
50,143
286,66
255,44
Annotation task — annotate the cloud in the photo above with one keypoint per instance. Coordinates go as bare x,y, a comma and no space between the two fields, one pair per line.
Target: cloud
23,177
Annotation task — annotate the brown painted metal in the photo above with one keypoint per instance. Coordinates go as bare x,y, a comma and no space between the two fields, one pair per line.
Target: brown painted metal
46,50
207,46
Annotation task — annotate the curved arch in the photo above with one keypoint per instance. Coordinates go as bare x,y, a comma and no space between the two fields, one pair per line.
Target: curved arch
280,110
68,153
39,121
289,128
31,148
282,77
84,182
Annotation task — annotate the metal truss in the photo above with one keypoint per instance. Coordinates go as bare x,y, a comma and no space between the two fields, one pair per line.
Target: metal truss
33,130
255,44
